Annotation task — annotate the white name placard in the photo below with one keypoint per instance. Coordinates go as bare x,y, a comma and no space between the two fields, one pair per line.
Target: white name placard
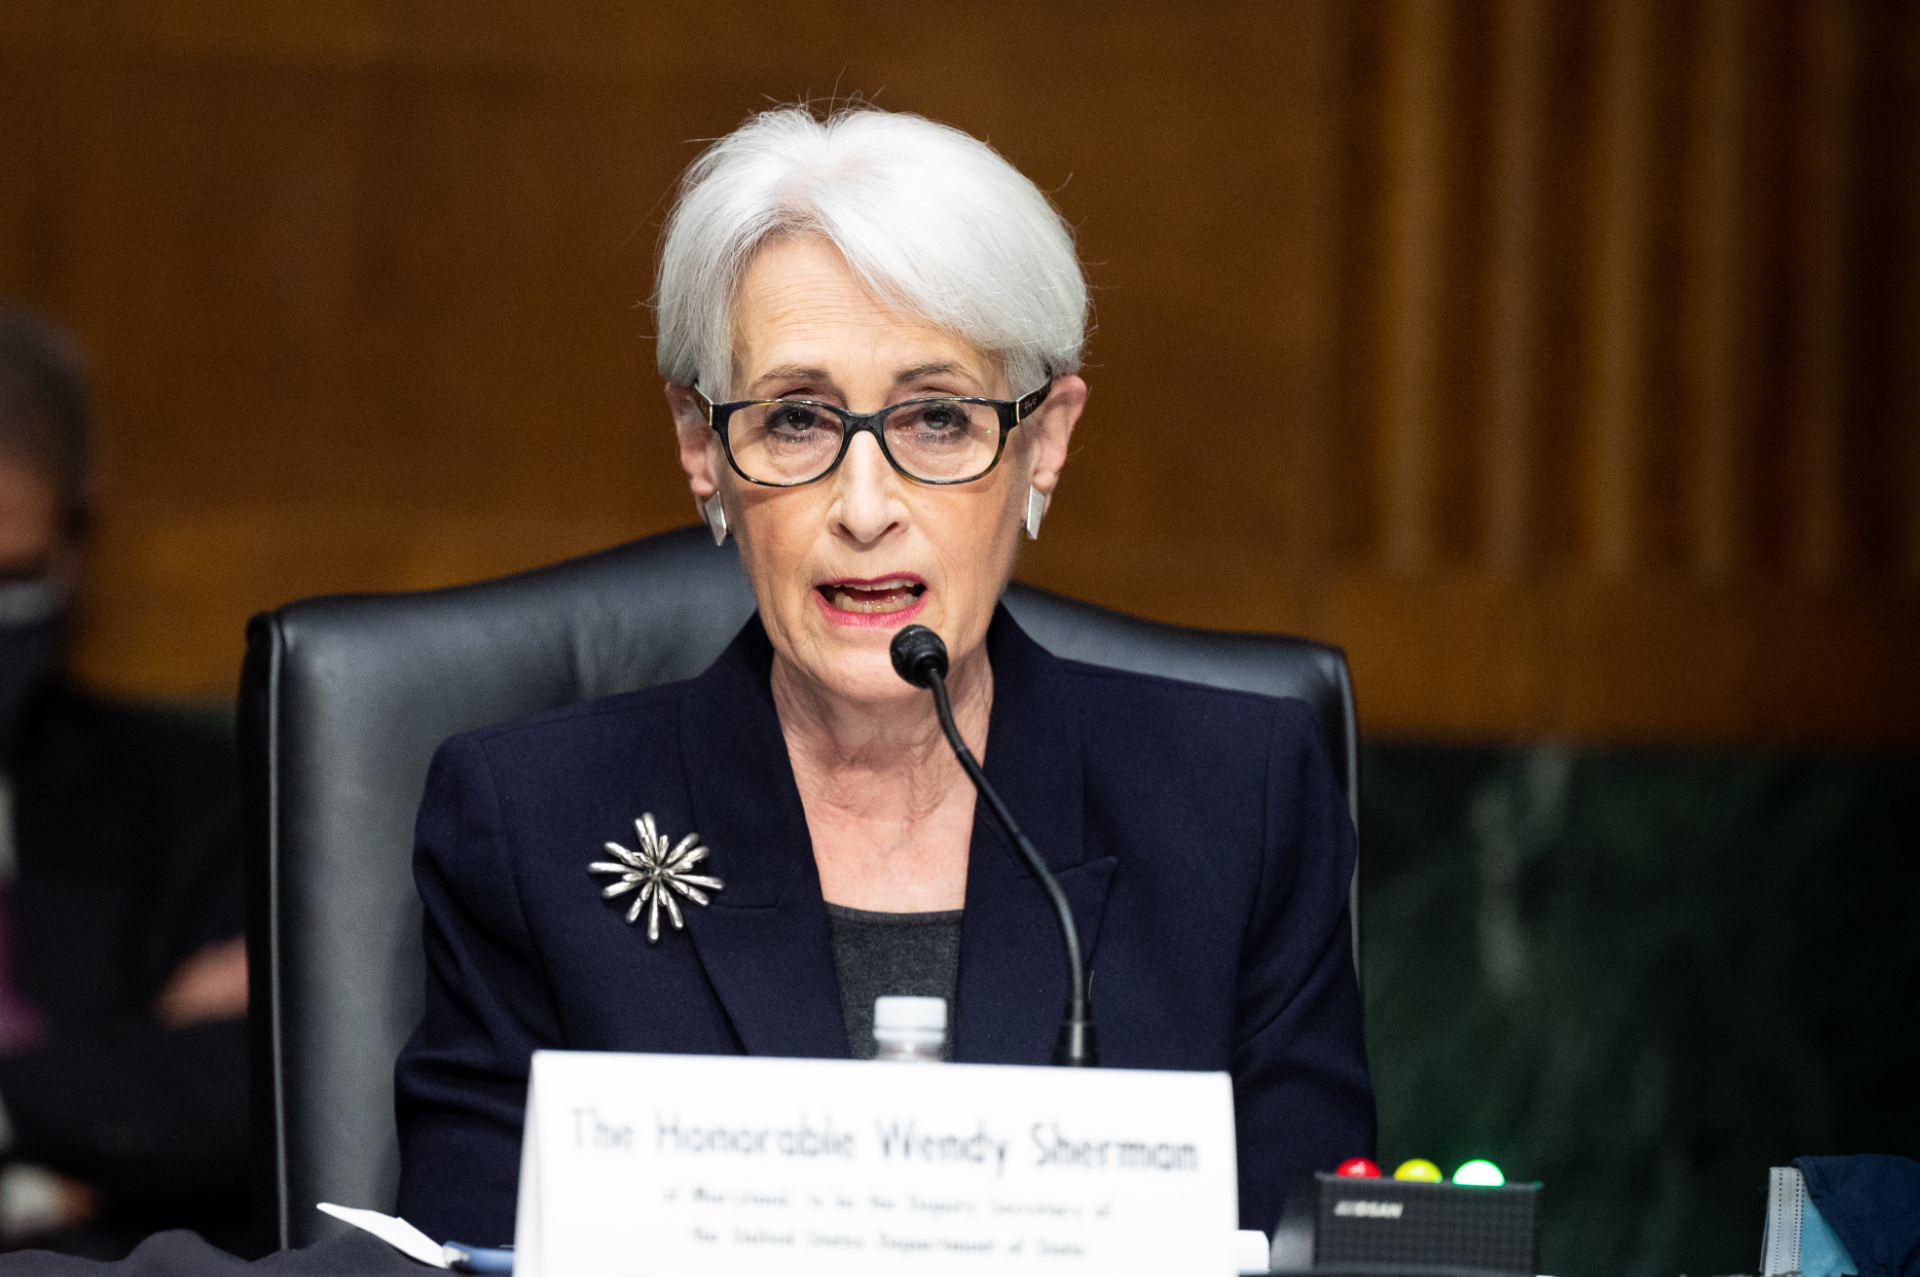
678,1165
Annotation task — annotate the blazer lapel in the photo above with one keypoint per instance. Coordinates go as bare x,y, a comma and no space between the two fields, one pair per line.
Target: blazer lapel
764,940
1013,965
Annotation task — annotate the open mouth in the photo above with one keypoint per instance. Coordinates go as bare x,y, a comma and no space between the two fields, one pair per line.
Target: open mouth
873,598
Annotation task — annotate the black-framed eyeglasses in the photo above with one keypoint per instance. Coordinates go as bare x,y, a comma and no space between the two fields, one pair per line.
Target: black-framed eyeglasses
784,443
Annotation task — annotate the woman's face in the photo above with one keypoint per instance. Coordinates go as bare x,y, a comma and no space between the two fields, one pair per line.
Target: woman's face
842,564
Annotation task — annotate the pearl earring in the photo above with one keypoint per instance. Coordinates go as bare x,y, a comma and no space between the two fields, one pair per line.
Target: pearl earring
1037,502
716,516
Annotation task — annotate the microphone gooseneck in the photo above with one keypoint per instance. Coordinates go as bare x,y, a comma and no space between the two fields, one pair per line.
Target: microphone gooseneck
920,658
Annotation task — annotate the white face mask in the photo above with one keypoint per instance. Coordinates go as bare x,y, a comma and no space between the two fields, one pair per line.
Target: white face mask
32,616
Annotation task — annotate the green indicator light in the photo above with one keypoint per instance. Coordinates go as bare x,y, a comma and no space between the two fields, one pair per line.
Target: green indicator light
1479,1172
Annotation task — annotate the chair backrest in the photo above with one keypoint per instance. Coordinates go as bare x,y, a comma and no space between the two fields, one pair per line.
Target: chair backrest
342,703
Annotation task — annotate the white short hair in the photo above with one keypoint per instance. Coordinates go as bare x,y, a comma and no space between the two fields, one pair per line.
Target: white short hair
931,219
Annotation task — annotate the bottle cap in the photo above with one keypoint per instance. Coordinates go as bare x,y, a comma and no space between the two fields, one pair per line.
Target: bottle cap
910,1019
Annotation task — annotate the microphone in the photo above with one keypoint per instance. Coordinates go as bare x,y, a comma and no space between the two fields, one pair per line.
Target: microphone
921,658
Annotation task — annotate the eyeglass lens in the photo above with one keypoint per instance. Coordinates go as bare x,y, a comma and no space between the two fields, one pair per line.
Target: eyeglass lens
788,441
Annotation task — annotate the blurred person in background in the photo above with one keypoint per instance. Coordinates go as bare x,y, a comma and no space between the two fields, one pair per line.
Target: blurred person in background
123,1088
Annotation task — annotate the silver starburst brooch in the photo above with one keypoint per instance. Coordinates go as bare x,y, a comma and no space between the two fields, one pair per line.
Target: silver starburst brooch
656,873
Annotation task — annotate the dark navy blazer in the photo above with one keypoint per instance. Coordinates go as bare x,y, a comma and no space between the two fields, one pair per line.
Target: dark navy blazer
1198,833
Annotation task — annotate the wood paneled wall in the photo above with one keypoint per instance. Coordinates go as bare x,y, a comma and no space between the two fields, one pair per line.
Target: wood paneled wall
1562,360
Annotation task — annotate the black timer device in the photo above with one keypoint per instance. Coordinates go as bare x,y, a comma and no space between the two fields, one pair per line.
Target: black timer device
1340,1226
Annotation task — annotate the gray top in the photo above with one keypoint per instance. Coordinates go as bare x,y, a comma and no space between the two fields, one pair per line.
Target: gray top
915,955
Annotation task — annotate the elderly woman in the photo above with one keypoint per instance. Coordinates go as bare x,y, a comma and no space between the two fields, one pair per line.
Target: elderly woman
870,331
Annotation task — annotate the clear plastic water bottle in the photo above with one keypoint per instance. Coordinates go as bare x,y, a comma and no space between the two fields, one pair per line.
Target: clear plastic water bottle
910,1029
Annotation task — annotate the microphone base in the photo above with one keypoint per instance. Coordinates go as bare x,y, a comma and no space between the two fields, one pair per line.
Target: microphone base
1077,1047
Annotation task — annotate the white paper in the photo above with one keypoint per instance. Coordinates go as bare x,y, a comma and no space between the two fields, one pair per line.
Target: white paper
1253,1253
672,1166
397,1233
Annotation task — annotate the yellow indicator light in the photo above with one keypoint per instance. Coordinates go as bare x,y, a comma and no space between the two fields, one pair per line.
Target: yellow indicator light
1479,1172
1419,1168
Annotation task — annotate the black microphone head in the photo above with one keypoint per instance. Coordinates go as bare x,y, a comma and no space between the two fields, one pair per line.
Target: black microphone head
918,654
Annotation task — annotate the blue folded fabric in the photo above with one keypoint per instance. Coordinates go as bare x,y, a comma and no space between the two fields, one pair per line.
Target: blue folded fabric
1821,1252
1872,1203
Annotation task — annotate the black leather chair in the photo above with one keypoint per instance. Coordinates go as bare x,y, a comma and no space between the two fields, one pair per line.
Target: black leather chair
343,701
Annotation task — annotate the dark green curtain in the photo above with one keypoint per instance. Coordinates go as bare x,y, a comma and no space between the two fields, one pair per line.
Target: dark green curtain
1641,978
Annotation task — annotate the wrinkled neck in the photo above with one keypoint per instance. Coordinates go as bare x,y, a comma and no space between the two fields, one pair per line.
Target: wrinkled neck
883,759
